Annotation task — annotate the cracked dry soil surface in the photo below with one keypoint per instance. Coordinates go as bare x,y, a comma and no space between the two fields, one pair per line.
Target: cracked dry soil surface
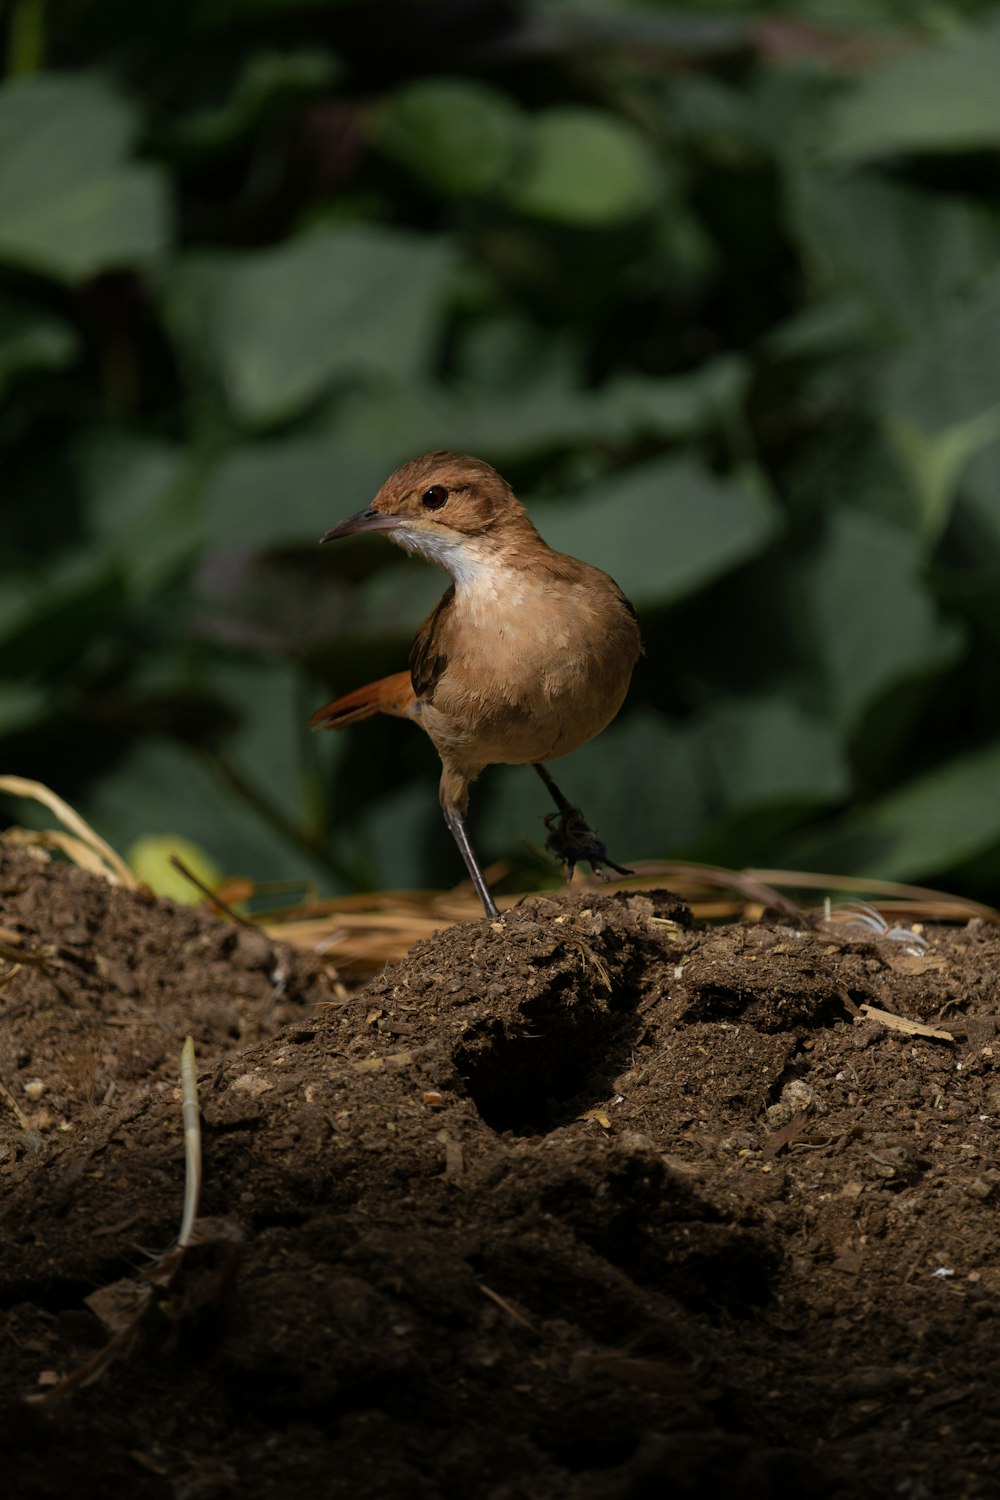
590,1202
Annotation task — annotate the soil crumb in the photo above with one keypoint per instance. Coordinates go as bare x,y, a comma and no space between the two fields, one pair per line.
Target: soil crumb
586,1203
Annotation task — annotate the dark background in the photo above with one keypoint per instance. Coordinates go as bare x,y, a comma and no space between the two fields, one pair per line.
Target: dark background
719,294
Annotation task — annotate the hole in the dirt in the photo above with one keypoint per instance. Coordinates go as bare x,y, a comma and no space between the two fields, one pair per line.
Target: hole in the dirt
316,1389
721,1270
538,1079
579,1449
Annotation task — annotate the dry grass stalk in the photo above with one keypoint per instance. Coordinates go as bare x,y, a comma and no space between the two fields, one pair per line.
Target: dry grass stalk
364,933
15,1108
83,847
125,1305
192,1142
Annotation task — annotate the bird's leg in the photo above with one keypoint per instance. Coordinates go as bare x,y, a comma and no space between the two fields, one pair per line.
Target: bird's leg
456,823
571,837
454,800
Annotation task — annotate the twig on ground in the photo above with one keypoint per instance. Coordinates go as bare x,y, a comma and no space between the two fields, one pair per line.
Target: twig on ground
209,894
507,1307
900,1023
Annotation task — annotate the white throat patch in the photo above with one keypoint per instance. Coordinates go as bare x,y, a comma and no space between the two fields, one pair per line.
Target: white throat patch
458,556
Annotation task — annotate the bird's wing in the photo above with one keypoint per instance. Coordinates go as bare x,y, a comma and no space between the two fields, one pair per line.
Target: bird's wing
428,656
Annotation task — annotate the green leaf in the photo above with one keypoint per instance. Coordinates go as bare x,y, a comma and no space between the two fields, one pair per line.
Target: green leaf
935,464
929,826
917,254
662,529
941,99
158,784
72,203
874,624
629,405
943,412
949,375
276,327
138,506
459,136
766,751
820,329
151,856
270,84
544,412
588,168
31,340
292,490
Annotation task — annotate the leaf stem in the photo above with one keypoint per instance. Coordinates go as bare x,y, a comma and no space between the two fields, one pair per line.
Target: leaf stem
269,811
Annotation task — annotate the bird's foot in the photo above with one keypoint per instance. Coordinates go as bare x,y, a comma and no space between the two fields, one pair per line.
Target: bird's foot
571,839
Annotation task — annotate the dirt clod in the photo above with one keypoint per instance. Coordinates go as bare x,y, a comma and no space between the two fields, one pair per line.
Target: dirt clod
587,1203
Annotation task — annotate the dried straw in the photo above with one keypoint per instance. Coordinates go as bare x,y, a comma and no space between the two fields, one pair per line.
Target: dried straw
358,935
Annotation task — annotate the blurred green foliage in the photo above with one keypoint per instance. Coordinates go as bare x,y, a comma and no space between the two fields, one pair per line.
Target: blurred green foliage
718,292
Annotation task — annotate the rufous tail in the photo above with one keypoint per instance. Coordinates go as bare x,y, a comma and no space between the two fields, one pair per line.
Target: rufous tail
390,695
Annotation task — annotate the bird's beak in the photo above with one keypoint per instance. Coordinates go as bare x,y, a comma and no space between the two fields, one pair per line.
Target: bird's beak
365,520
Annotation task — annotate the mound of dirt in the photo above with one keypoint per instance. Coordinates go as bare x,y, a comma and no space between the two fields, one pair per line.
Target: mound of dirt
586,1202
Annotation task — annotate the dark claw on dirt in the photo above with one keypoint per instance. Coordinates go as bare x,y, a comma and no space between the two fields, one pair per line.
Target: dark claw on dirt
572,840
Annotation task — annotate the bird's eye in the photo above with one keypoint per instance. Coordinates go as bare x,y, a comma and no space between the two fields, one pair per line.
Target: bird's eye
434,498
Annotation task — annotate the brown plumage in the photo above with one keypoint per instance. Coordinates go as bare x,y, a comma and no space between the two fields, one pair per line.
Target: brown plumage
390,695
525,657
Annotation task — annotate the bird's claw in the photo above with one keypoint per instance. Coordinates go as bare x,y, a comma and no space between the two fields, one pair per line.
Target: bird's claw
571,839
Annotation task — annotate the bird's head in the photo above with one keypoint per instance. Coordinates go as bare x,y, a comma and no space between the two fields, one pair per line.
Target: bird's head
447,507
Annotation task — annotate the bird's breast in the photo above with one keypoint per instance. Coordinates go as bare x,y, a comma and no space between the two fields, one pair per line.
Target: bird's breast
534,667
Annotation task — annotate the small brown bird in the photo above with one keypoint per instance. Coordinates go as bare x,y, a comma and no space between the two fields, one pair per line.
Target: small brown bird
526,656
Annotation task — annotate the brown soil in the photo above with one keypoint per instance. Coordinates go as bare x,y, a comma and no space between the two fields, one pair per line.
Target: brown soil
587,1202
